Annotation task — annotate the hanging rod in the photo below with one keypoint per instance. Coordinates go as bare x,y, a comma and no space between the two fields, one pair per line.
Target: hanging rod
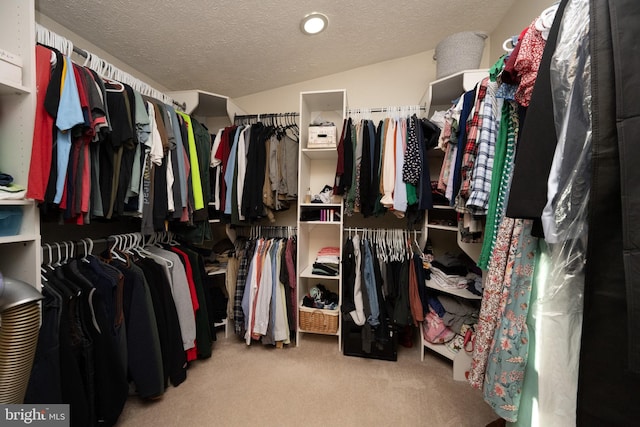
49,38
361,229
259,117
85,54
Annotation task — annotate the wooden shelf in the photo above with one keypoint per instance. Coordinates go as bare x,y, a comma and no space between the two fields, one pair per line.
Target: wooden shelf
10,88
17,202
320,153
309,275
335,334
321,222
217,272
442,227
440,349
443,207
18,238
463,293
321,205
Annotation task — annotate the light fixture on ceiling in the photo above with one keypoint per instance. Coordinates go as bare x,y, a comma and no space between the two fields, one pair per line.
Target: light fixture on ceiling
314,23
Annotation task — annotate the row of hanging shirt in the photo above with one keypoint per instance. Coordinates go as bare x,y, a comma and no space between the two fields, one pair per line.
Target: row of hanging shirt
133,314
264,299
255,171
102,149
480,138
384,166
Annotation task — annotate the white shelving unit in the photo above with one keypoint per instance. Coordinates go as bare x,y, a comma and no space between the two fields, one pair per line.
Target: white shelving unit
20,254
439,96
317,167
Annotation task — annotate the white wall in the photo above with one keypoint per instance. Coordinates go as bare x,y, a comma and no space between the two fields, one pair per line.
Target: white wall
400,81
90,47
396,82
517,19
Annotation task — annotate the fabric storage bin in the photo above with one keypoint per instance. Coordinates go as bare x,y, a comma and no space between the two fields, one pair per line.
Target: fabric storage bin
10,220
318,320
459,52
322,137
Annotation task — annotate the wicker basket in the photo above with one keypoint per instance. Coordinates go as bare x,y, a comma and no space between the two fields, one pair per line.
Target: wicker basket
459,52
318,320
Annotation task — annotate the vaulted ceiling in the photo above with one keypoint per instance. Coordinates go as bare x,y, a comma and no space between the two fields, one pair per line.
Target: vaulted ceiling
241,47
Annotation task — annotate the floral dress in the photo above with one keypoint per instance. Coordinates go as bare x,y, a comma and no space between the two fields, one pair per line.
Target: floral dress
508,355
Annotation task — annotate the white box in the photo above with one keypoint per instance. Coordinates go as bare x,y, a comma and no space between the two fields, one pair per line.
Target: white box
322,137
10,67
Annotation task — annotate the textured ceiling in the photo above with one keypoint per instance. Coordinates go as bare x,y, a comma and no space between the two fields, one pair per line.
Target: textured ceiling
240,47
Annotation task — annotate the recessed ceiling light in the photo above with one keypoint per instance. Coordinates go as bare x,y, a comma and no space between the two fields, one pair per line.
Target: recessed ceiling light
314,23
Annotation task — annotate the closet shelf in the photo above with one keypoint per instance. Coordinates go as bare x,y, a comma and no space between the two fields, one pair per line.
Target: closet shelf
18,238
307,272
214,221
443,207
217,272
7,87
442,227
457,292
19,202
321,205
320,222
320,153
335,334
440,349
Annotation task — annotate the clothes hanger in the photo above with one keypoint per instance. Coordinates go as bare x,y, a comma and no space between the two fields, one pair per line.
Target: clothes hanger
112,250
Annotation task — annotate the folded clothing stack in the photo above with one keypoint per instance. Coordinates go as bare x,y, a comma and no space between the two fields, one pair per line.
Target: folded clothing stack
327,262
9,190
451,272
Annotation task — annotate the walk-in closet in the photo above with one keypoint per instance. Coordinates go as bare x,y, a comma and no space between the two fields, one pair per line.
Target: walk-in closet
413,213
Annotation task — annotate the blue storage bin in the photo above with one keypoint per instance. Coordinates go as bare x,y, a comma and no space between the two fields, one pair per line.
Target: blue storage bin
10,220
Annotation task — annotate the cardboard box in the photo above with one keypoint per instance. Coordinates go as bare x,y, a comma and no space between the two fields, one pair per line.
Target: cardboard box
10,68
322,137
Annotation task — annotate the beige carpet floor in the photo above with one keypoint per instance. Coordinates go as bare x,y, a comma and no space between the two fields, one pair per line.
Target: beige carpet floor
312,385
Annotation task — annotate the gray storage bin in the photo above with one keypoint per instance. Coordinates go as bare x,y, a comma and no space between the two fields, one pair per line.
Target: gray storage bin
459,52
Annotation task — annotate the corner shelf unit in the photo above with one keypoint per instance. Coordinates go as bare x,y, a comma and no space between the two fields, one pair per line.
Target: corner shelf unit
440,94
19,254
317,167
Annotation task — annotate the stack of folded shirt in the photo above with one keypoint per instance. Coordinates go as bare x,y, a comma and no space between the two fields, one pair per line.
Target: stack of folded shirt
327,262
450,272
9,190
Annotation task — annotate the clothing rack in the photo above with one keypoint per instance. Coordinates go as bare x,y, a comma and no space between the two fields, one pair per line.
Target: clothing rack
269,231
49,38
394,244
254,118
66,250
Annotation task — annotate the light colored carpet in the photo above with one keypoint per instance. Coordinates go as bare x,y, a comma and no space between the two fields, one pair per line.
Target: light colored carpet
312,385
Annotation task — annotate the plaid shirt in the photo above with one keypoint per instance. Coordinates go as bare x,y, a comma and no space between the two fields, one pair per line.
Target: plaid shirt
481,178
471,147
243,271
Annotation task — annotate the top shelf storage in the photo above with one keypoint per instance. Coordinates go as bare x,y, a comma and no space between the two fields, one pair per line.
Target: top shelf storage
206,104
445,90
328,106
